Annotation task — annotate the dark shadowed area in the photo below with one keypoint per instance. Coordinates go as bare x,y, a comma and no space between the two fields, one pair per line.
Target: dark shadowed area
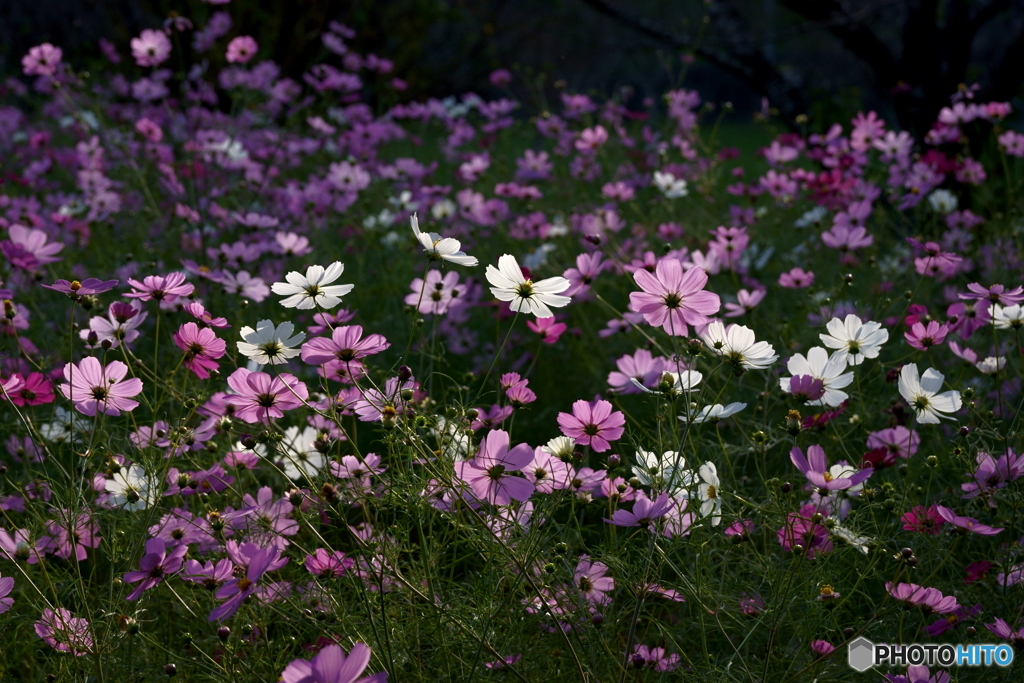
818,57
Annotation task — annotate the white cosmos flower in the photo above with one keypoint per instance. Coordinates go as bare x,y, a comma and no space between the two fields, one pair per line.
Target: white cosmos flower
131,489
942,201
854,339
1007,317
666,473
526,296
736,344
300,458
710,493
819,365
991,365
441,248
843,534
922,393
669,185
269,345
314,289
672,383
560,447
715,413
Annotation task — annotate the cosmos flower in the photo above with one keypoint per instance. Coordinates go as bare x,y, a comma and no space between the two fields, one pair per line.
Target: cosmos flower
672,299
269,344
442,248
594,424
853,339
93,388
131,489
331,665
487,473
922,393
829,370
259,397
314,289
523,294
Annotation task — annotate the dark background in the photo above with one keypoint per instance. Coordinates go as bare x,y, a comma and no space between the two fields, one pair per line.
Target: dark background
825,58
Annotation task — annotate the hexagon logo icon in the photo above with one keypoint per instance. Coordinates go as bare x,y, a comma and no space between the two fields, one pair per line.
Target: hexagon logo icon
861,654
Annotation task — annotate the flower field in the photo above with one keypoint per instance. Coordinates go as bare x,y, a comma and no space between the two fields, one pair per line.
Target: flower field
309,382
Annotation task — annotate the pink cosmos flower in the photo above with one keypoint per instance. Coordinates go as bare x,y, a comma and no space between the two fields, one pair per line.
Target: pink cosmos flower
241,49
237,590
594,424
331,665
1003,629
87,287
346,344
846,238
328,563
151,48
93,388
199,312
897,440
70,536
928,599
41,60
6,586
592,581
672,299
520,394
588,267
797,278
549,329
591,139
437,294
654,657
64,632
801,534
966,523
641,366
259,397
644,511
29,248
745,302
156,565
202,348
160,288
923,338
837,478
547,472
487,473
997,294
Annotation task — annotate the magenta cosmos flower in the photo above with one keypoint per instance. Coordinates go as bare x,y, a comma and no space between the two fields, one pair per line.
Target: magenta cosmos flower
237,590
259,396
64,632
93,388
673,299
487,473
345,344
202,348
156,565
928,599
594,424
331,665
